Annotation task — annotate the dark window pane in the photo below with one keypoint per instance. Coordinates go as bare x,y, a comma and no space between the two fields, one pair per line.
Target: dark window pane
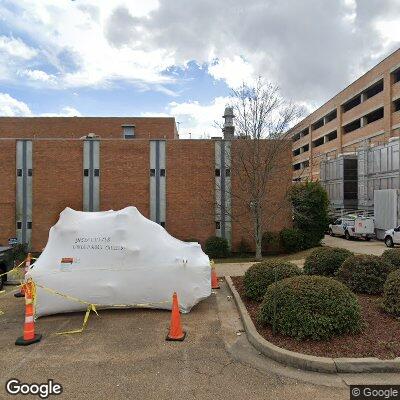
29,225
19,172
162,224
29,172
152,172
19,225
85,172
217,172
217,225
162,172
228,172
96,172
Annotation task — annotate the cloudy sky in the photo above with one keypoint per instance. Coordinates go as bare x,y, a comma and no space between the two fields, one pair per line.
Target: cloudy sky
182,57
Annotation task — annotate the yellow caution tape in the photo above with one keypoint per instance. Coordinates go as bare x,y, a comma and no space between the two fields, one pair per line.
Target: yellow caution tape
11,270
90,306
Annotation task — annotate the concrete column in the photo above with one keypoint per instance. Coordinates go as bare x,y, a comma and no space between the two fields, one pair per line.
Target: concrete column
158,181
363,97
91,175
387,104
223,226
363,121
23,204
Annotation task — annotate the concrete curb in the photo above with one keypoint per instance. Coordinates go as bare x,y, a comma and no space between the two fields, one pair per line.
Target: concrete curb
305,361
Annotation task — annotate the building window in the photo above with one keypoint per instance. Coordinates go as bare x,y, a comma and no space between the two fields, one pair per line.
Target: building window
318,142
152,172
396,75
331,136
96,172
217,172
128,131
85,172
29,224
29,172
217,225
374,115
374,89
396,105
19,225
352,126
355,101
162,172
162,224
331,116
318,124
228,172
19,172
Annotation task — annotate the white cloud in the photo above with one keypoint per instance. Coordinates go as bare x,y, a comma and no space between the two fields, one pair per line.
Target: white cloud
38,75
11,107
66,111
15,47
197,119
233,70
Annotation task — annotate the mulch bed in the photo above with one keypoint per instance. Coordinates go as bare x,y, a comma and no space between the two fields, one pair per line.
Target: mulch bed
380,338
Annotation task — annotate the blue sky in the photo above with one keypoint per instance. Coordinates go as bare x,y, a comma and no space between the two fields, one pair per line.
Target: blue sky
179,58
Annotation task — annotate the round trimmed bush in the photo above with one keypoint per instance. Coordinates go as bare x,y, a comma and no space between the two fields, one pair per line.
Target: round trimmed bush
259,276
310,307
216,247
393,257
364,273
391,293
292,239
325,261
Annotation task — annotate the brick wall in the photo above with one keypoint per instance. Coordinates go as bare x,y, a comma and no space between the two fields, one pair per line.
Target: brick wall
124,181
277,210
57,183
190,189
7,190
124,175
76,127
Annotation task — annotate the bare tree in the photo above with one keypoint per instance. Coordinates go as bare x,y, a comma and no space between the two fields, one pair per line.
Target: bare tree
260,156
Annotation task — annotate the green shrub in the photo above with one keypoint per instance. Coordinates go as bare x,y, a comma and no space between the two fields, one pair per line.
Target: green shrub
216,247
325,261
310,211
314,307
292,239
391,293
244,248
259,276
271,243
364,273
392,256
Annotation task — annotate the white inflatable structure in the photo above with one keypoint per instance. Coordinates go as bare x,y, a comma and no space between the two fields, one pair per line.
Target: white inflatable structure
116,258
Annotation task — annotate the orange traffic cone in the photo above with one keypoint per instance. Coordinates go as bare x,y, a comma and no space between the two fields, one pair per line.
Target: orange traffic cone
214,279
29,325
175,329
21,293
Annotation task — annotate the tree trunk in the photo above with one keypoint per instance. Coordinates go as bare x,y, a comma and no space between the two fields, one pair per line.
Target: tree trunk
259,248
257,231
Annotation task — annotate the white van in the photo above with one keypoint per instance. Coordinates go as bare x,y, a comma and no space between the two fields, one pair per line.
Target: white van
357,227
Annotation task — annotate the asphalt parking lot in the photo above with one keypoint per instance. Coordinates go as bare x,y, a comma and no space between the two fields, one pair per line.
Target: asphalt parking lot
375,247
123,355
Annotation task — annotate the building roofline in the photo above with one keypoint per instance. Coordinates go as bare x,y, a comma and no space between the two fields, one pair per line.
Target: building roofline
341,91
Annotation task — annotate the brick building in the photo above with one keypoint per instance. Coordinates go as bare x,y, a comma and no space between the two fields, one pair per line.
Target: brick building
97,164
368,110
